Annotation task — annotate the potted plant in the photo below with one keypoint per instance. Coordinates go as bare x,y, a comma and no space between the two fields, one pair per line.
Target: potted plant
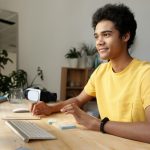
15,79
89,49
5,81
18,79
4,59
73,56
5,84
90,52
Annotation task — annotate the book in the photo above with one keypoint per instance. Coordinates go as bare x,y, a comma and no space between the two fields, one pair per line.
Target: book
3,99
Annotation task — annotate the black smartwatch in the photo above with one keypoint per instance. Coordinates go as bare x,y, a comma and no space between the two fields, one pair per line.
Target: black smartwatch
103,122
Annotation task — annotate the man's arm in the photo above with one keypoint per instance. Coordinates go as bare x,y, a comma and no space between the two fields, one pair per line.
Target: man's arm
139,131
42,108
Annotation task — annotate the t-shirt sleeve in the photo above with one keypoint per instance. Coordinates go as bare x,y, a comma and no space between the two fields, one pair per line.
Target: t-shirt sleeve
145,89
90,86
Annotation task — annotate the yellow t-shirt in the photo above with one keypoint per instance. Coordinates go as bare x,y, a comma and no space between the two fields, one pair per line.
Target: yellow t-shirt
121,96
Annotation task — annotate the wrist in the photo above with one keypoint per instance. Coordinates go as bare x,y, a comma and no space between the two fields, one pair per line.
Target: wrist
93,125
50,109
102,124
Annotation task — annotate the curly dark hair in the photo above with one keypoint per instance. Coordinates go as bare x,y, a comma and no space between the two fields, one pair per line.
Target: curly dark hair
121,16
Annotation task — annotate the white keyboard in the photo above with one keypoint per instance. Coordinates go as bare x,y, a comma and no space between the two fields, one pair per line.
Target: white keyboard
28,130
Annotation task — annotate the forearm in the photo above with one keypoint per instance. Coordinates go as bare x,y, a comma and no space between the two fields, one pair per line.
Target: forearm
79,100
58,106
134,131
42,108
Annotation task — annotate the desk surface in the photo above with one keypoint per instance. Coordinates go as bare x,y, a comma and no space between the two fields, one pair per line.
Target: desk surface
71,139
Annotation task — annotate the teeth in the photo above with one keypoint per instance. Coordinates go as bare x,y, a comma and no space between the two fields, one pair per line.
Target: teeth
103,49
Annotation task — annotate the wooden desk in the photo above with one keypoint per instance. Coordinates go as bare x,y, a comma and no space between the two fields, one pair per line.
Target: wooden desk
71,139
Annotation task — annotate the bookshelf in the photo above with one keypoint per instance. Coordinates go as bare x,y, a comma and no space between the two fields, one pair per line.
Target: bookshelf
73,81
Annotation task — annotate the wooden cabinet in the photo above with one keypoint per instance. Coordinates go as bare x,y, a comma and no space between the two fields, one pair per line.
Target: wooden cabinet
73,81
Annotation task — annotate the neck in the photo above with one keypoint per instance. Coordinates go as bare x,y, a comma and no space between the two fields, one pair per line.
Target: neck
120,64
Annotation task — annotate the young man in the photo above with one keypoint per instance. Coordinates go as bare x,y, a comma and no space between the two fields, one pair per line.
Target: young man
121,86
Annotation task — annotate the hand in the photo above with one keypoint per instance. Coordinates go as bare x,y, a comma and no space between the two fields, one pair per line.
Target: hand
82,117
41,108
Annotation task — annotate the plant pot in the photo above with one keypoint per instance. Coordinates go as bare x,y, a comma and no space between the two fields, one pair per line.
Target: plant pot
82,61
73,63
90,61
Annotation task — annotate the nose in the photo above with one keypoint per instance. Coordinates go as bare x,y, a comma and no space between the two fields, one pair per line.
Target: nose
100,40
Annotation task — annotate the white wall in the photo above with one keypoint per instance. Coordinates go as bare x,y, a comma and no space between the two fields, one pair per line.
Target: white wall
48,28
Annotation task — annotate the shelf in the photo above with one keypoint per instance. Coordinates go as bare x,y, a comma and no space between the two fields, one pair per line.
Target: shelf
73,81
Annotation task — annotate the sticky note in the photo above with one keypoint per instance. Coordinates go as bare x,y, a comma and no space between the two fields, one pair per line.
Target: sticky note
64,126
67,126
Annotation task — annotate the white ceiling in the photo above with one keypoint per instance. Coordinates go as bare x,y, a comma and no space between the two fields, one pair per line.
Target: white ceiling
8,33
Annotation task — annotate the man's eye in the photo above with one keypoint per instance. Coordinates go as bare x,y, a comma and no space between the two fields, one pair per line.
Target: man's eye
106,34
95,36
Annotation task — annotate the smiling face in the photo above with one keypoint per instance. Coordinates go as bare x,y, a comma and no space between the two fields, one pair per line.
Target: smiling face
109,43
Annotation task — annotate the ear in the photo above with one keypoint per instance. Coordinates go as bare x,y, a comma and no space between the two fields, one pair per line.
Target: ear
126,37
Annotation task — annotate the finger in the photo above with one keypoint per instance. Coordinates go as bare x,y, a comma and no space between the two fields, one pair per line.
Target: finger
34,106
35,110
66,108
38,105
31,107
75,107
70,111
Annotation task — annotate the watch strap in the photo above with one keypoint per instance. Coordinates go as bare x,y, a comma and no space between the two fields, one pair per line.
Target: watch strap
103,122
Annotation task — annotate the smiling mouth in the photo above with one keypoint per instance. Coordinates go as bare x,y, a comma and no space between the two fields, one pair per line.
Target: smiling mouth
102,49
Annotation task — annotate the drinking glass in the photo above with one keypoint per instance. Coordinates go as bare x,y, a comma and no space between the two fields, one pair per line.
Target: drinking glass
16,95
